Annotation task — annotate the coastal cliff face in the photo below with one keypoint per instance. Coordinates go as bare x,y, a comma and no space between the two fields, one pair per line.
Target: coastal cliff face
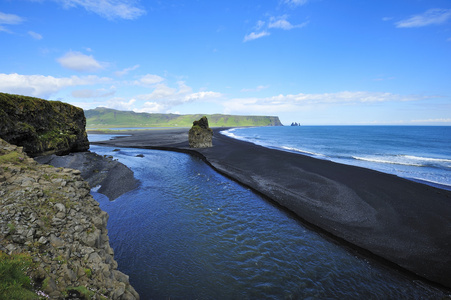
49,214
42,127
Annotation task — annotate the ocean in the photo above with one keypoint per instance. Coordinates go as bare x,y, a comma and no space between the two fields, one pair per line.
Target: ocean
419,153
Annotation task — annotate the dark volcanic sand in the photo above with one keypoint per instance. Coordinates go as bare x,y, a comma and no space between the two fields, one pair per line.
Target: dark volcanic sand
402,221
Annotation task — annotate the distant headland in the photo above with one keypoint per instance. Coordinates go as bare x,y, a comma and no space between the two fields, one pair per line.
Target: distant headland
110,118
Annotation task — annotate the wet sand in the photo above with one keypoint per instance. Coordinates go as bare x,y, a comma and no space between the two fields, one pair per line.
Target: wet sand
400,221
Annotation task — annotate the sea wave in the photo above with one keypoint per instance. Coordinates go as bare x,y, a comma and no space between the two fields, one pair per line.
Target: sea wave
408,160
438,160
230,133
301,151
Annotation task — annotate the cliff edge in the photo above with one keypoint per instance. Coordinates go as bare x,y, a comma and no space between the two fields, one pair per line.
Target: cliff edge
48,214
42,127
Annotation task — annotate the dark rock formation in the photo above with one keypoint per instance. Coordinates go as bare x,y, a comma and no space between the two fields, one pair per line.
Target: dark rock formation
49,214
295,124
42,127
113,177
200,135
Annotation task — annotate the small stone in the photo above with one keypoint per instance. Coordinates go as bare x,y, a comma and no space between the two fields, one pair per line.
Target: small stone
42,240
60,207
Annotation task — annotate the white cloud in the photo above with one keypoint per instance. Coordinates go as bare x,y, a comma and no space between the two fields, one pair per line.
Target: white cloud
282,23
126,71
202,96
259,25
120,104
109,9
43,86
161,91
434,16
35,35
289,103
261,29
10,19
295,2
93,93
149,80
257,89
80,62
253,36
163,97
151,107
442,120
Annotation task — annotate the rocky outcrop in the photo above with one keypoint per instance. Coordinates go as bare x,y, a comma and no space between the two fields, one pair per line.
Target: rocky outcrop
111,177
200,135
49,213
42,127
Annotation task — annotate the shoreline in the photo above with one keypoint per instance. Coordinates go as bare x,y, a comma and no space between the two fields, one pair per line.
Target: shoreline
402,222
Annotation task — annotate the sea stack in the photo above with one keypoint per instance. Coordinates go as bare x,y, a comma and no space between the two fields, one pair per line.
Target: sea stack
200,135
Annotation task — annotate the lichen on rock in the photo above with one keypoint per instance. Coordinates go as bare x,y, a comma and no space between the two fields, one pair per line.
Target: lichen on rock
200,135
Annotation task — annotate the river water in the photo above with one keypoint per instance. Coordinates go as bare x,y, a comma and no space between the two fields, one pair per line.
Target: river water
188,232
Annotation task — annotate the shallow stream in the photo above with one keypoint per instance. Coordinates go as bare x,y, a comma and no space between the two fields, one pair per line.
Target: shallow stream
190,233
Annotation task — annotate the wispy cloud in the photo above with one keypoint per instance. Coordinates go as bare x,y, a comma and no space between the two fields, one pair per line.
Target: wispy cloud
257,89
149,80
282,23
108,9
44,86
94,93
35,35
80,62
126,71
287,103
255,35
262,28
9,19
434,16
295,2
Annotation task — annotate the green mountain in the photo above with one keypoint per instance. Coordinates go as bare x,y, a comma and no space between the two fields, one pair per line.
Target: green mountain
109,118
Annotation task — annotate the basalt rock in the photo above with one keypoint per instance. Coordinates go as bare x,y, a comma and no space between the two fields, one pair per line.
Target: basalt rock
48,214
200,135
42,127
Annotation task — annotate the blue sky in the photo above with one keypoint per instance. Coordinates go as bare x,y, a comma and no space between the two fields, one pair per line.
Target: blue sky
316,62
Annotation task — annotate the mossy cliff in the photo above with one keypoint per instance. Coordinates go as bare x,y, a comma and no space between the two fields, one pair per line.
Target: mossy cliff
42,127
48,217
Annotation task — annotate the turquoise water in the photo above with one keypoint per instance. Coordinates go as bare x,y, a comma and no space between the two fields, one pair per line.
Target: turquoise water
421,153
190,233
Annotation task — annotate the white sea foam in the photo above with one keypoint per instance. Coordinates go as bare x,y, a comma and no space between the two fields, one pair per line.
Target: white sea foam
388,160
301,151
96,188
438,160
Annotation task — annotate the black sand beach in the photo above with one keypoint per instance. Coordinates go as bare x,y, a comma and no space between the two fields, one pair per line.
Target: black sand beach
401,221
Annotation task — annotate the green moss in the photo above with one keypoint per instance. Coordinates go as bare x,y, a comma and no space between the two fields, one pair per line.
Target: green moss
88,272
12,228
12,157
82,291
14,282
